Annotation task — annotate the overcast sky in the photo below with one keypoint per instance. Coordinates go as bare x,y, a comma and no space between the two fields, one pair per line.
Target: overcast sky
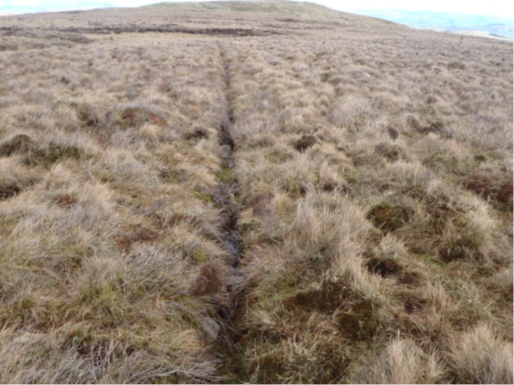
502,8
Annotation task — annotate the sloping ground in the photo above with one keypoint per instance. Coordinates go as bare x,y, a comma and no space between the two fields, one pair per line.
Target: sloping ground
273,16
109,160
371,254
311,201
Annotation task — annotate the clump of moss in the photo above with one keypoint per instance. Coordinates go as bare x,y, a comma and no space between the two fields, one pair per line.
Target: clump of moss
196,134
389,151
433,127
136,117
436,127
365,158
387,263
356,317
36,155
134,233
325,364
359,321
384,267
203,197
332,309
295,189
210,281
491,184
227,175
446,161
14,184
389,217
305,142
393,133
50,155
326,299
479,158
172,174
9,189
199,255
449,228
271,365
19,144
415,304
66,201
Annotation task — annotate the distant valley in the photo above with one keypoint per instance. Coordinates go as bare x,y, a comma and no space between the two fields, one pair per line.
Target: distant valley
447,22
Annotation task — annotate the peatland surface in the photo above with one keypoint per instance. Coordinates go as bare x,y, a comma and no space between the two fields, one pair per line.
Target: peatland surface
263,192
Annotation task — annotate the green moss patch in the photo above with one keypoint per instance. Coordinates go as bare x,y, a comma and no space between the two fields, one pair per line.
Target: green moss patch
359,321
491,184
390,152
446,161
134,233
53,153
18,145
384,267
227,175
9,189
196,134
389,217
326,299
305,142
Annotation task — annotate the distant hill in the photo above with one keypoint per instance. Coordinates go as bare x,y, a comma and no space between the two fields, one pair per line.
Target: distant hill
284,7
447,22
267,6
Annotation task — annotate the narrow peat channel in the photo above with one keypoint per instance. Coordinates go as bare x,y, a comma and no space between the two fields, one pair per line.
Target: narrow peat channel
227,202
229,186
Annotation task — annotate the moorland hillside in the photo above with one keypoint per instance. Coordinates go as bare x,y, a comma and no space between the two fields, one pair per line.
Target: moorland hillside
264,192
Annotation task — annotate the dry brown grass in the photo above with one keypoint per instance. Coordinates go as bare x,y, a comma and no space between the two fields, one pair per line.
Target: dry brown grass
107,212
369,186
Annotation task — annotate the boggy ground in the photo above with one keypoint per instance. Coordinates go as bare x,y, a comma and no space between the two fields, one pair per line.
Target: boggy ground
322,197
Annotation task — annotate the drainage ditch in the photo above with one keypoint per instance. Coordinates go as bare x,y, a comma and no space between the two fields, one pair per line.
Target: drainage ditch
227,201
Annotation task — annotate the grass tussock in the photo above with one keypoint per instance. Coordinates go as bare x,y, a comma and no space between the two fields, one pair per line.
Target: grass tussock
402,362
478,356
